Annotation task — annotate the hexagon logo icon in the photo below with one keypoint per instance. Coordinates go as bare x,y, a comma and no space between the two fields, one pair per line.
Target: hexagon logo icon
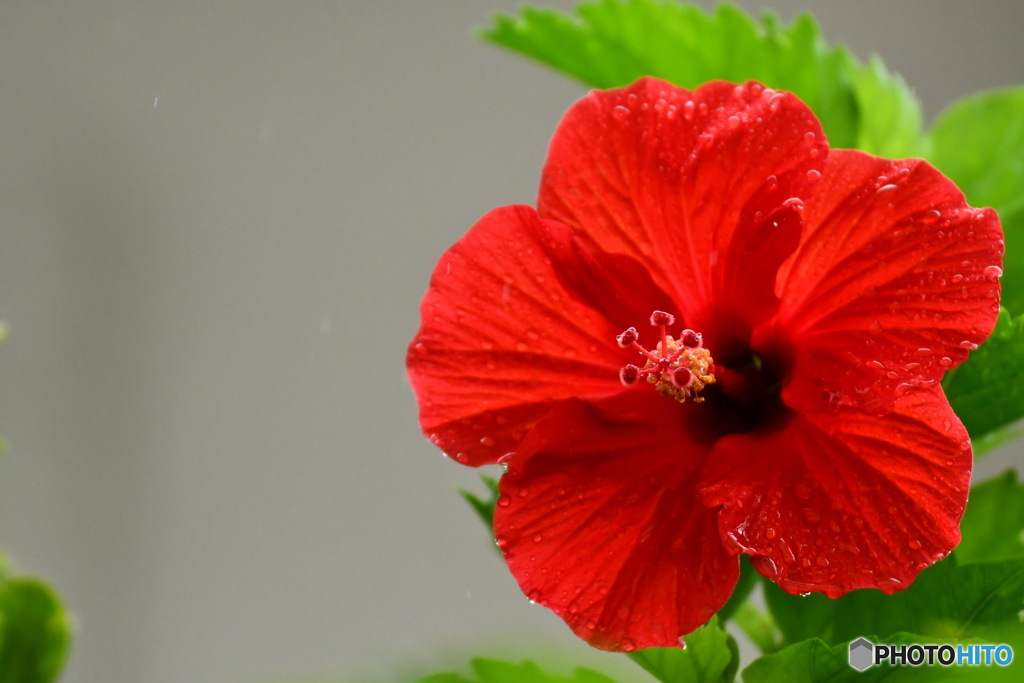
862,654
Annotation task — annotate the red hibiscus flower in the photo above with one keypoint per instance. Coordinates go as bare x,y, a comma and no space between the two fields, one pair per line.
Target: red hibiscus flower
784,402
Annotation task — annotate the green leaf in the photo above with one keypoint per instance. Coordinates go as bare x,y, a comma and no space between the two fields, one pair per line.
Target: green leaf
483,508
987,391
809,661
611,43
979,143
993,526
442,678
947,600
890,122
711,656
814,661
35,632
496,671
759,627
746,583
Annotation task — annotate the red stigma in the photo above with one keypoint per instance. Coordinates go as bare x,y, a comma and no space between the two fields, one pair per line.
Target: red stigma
682,377
678,368
629,375
659,318
691,339
628,338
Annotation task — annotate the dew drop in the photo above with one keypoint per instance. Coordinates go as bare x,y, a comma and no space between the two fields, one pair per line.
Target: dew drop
688,110
501,542
805,563
524,492
621,113
915,544
886,188
503,501
821,561
813,174
957,279
521,346
965,445
487,441
537,538
769,533
993,273
945,362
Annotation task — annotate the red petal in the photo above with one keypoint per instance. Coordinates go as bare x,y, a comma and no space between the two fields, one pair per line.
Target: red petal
835,503
894,282
683,181
515,319
599,520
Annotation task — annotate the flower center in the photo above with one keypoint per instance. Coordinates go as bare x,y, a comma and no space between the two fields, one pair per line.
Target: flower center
678,368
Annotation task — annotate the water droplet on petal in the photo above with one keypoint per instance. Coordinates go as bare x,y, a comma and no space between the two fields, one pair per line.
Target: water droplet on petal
993,273
915,544
503,501
621,113
537,538
813,174
945,362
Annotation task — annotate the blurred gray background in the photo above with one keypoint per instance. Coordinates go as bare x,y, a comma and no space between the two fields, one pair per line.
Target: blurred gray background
216,223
